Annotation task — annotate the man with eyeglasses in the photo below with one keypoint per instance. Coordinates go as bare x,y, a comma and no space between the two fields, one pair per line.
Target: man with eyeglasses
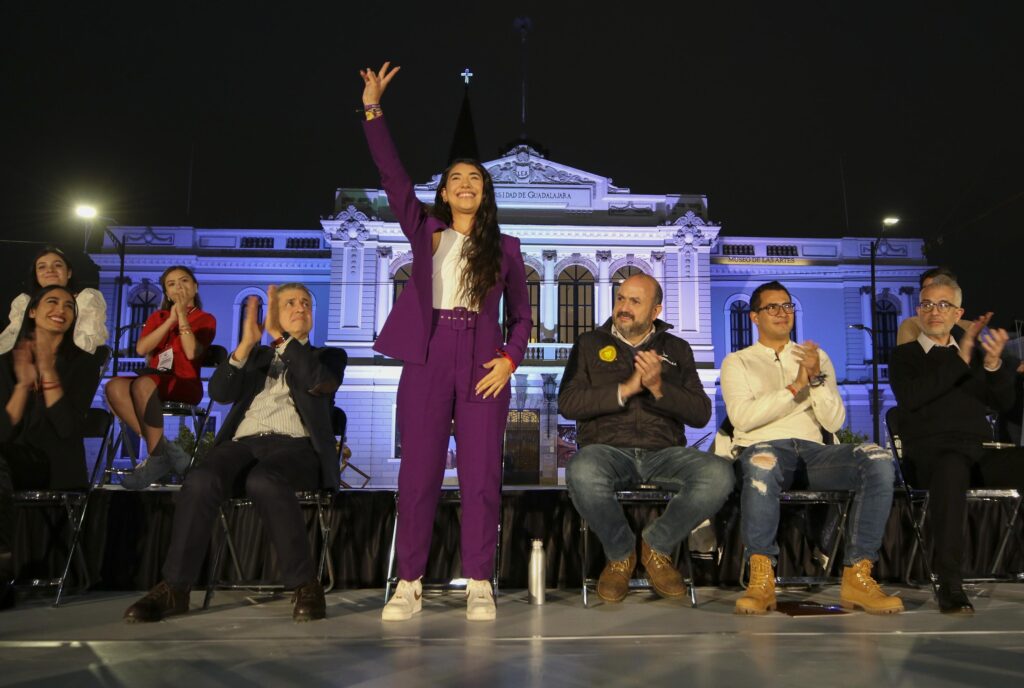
910,328
945,390
782,399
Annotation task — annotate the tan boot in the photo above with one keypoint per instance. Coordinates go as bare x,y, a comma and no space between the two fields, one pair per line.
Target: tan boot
859,589
760,595
663,576
613,585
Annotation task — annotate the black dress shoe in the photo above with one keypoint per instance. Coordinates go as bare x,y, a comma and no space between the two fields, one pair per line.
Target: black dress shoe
163,600
953,600
310,604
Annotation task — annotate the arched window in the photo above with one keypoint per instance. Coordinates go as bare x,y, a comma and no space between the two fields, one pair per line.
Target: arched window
401,278
886,316
575,303
141,304
740,327
620,275
241,314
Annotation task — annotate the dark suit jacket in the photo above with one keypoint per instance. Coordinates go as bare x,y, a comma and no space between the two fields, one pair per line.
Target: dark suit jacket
313,375
56,431
406,333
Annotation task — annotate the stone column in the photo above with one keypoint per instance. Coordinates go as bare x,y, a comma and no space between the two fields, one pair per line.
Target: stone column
865,317
549,298
603,291
384,287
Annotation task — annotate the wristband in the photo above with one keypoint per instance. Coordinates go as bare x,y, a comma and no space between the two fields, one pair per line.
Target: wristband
792,389
505,355
818,380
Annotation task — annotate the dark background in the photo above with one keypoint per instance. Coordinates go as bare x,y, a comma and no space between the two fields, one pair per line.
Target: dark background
916,107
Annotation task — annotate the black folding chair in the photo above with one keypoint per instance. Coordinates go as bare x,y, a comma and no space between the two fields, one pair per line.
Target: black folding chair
75,504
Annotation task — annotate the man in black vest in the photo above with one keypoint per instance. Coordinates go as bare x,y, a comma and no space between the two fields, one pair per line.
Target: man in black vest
277,438
945,390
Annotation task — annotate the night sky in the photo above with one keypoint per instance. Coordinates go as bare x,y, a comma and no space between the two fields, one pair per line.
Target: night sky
917,106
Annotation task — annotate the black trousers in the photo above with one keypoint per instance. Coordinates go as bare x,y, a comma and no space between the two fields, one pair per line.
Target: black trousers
269,470
21,468
947,471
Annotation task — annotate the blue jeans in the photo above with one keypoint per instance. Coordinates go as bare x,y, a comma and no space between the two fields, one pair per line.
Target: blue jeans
702,483
770,467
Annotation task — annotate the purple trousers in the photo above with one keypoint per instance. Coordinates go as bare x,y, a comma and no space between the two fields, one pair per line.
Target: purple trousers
429,397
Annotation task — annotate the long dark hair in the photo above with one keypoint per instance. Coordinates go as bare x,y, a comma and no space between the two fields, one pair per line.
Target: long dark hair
165,305
33,279
67,347
483,248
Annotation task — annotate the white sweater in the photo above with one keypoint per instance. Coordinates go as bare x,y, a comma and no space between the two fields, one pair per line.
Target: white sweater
762,409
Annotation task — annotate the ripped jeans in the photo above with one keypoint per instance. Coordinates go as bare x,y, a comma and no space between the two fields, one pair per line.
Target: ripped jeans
770,467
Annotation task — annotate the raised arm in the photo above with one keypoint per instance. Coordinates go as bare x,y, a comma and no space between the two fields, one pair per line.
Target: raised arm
395,180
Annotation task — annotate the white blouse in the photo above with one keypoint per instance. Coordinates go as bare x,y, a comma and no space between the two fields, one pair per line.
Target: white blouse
90,327
448,266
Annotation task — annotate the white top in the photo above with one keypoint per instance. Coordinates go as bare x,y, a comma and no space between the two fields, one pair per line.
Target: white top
90,327
762,409
449,264
273,409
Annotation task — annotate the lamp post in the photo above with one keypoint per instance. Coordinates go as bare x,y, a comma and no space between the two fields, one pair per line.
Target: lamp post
887,223
550,387
89,213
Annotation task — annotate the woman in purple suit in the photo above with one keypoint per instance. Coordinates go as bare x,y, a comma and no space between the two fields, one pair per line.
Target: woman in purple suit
445,328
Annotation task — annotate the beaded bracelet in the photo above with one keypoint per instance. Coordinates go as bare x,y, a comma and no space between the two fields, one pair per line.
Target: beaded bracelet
505,355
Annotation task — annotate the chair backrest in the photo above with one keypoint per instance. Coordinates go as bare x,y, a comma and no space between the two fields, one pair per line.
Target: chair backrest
892,425
215,356
339,423
103,354
97,423
723,442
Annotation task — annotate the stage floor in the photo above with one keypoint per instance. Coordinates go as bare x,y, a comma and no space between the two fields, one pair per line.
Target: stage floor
643,641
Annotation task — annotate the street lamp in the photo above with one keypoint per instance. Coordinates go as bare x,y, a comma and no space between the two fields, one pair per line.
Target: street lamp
90,214
887,223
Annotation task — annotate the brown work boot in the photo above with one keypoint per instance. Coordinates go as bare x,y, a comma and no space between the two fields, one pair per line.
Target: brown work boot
613,585
859,589
663,576
760,595
163,600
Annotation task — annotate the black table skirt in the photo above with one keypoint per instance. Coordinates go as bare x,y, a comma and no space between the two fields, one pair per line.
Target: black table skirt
126,536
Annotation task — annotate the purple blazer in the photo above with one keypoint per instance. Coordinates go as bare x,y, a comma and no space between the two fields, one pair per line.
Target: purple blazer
407,331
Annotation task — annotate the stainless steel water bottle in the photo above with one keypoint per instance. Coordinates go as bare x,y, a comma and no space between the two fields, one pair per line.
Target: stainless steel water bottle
538,573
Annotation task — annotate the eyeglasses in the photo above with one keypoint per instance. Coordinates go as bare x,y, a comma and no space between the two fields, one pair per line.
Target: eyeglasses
929,306
773,308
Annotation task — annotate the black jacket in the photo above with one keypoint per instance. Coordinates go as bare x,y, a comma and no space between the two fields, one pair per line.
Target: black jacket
56,431
313,376
942,399
589,392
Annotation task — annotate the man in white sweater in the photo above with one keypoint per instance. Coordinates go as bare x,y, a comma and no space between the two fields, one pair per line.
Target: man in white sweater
782,400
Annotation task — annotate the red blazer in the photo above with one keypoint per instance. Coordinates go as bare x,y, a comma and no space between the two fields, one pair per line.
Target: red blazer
407,331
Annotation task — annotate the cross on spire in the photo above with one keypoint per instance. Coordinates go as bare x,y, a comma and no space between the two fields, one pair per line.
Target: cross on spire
466,75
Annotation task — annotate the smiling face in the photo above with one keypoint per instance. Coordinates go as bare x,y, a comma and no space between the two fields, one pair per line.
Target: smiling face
52,269
295,312
55,312
635,309
463,190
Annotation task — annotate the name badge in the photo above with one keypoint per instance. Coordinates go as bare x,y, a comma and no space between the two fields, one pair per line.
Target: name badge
165,361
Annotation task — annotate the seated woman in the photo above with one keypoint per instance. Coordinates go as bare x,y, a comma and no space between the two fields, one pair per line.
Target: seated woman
47,384
175,339
52,267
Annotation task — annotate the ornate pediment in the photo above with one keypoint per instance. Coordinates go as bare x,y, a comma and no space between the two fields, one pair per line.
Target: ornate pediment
523,164
351,225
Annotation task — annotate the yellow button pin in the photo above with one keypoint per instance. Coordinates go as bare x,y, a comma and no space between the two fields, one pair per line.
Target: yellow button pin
608,354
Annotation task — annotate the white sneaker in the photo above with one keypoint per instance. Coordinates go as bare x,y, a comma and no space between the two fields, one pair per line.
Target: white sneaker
407,600
479,600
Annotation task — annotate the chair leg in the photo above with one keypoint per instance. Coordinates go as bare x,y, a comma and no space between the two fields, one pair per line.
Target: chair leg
840,528
1008,531
391,556
585,572
687,555
76,519
326,539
